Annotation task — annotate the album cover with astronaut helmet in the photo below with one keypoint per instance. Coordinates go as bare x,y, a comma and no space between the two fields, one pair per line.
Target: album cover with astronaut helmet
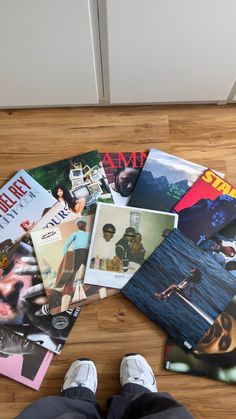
207,207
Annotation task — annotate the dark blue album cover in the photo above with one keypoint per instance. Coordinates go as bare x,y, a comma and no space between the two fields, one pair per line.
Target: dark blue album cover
181,288
222,247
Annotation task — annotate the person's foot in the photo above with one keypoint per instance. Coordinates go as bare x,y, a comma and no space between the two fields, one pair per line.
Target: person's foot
135,369
83,373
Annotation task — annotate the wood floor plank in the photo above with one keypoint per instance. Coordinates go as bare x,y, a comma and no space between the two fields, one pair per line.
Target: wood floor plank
107,329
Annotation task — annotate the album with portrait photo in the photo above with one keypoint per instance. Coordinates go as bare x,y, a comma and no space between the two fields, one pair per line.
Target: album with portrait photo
215,355
122,239
122,170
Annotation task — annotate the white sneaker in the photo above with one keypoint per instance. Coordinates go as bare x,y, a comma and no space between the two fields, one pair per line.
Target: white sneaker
135,369
81,372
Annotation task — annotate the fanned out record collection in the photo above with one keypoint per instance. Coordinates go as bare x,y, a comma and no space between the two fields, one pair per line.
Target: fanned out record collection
160,229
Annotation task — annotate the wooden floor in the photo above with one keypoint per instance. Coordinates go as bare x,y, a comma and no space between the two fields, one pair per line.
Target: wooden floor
107,329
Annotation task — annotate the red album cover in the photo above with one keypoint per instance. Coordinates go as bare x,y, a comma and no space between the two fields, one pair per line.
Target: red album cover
208,206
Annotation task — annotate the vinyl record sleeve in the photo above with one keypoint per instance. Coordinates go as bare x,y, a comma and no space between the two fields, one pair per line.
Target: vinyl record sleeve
179,285
207,207
137,232
29,365
164,179
122,170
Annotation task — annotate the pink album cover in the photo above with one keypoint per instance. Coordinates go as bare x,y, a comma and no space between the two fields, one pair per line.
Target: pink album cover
23,360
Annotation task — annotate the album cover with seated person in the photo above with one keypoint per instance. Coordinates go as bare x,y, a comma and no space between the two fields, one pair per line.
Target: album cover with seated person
215,356
122,239
77,182
180,285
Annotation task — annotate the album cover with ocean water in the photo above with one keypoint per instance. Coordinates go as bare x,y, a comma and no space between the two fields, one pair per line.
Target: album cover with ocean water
215,355
180,285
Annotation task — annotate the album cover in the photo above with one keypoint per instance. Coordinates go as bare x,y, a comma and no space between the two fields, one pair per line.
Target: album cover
54,216
215,355
40,326
180,285
122,239
222,247
62,253
77,182
22,203
164,179
122,170
23,303
22,360
15,281
207,207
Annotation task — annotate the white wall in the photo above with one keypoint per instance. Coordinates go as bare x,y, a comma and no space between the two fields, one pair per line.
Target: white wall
47,53
170,51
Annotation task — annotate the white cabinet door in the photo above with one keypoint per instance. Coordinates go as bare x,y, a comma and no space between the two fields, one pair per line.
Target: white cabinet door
170,50
47,53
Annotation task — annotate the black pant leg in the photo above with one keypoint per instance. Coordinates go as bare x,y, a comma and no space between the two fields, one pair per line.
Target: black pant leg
79,392
137,402
74,403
